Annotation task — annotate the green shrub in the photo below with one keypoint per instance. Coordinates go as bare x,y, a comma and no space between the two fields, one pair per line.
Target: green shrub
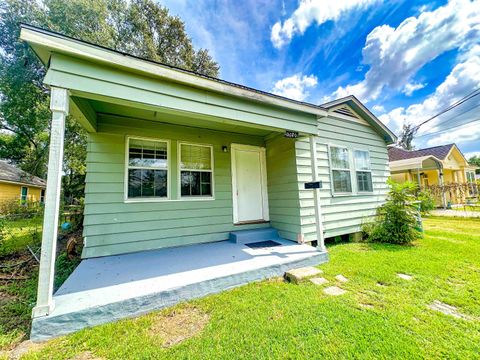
427,202
396,221
16,209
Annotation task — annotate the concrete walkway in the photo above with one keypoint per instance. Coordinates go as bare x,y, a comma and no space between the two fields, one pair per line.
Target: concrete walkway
456,213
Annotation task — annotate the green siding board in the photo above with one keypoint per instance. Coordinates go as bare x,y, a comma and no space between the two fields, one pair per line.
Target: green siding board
341,214
113,226
283,187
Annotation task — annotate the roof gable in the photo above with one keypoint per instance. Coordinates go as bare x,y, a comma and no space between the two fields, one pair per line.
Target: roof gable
353,108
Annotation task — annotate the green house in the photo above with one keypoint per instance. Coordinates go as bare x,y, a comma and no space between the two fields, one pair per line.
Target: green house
175,158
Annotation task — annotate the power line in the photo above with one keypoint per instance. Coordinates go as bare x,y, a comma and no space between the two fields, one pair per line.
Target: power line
450,128
455,116
474,93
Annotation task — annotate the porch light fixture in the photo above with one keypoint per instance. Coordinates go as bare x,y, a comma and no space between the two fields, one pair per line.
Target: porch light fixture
225,148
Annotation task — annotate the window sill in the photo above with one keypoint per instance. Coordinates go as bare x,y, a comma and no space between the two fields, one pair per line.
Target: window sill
131,201
353,194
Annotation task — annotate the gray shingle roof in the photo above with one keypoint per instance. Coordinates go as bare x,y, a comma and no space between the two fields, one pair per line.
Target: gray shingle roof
440,152
9,172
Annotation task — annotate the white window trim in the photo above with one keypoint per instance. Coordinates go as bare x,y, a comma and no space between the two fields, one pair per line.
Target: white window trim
332,189
179,174
356,170
127,150
21,193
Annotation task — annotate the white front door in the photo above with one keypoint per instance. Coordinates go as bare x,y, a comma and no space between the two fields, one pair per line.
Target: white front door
249,180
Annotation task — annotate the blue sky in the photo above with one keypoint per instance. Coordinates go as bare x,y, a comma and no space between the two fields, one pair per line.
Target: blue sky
406,60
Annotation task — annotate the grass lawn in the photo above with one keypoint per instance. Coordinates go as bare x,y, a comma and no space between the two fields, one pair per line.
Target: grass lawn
380,316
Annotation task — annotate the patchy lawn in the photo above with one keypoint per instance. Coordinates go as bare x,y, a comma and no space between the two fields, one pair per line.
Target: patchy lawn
18,277
380,316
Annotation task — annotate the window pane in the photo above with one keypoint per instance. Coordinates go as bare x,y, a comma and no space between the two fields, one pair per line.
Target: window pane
195,183
147,153
161,183
339,158
341,181
147,183
364,181
195,157
362,160
205,185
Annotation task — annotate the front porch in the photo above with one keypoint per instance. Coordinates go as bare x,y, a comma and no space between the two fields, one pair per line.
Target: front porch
106,289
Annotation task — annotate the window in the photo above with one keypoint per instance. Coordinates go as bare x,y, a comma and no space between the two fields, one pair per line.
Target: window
24,195
363,171
147,170
340,163
470,176
196,170
42,196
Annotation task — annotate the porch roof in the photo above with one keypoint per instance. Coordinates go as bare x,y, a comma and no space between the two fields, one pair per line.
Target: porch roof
414,163
92,72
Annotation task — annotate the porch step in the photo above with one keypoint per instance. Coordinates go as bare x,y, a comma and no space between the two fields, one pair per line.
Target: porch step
254,235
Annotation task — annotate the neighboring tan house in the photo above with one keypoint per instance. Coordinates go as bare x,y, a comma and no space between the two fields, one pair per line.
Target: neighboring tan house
437,165
179,163
16,184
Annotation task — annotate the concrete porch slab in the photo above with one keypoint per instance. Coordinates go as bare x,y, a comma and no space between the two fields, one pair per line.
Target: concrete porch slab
106,289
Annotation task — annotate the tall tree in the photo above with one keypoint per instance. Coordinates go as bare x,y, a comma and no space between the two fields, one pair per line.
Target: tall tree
406,137
475,161
140,27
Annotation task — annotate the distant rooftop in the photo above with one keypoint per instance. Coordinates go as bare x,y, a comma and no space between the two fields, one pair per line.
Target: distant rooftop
11,173
440,152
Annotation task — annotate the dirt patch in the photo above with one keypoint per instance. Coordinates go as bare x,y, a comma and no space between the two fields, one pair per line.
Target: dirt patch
179,325
448,310
24,348
86,355
6,298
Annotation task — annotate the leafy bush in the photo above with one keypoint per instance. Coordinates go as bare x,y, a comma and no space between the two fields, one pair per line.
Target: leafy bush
396,220
16,209
427,202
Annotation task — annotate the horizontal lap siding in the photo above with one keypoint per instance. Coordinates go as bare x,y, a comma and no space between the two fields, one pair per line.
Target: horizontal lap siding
112,226
341,214
283,187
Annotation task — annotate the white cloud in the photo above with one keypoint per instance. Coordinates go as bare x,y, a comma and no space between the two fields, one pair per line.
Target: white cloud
471,154
463,79
464,134
295,87
410,88
396,54
378,109
308,12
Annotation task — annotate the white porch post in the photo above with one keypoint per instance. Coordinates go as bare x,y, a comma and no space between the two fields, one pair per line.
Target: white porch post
440,182
59,107
316,194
